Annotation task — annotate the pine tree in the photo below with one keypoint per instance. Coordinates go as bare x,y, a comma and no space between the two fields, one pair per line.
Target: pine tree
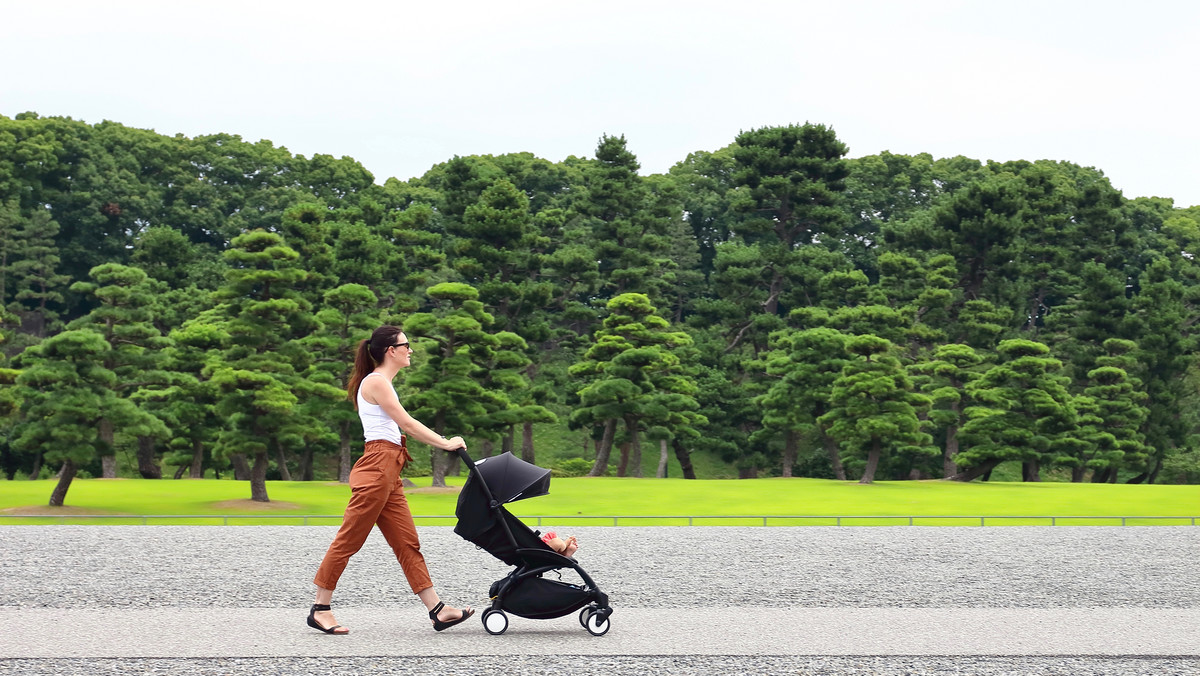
628,373
1025,412
873,406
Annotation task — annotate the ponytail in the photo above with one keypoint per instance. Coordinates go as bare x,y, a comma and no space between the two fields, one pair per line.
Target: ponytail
367,357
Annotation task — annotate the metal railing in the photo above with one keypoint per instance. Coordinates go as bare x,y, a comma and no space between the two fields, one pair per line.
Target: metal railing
756,520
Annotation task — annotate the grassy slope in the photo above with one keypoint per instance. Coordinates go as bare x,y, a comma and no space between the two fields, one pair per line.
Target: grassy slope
608,496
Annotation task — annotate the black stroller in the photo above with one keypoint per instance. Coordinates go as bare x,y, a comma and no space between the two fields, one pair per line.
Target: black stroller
483,520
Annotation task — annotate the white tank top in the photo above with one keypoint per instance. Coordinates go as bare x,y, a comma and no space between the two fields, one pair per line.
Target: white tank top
377,424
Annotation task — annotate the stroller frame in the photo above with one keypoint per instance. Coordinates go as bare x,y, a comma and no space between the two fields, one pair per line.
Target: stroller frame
520,591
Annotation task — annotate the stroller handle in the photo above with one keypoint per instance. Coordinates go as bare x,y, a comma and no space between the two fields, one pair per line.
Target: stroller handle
461,452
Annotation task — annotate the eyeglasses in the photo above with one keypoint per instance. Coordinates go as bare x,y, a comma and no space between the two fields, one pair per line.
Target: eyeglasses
404,345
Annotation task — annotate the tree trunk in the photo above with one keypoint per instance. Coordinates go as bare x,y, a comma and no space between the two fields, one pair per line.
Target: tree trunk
306,465
345,464
506,442
197,469
241,468
662,459
635,446
623,460
972,473
949,469
1153,476
835,458
281,460
1031,471
487,447
179,471
108,461
685,459
604,449
527,443
108,466
147,463
789,453
258,478
872,463
1077,473
65,475
37,468
438,461
747,472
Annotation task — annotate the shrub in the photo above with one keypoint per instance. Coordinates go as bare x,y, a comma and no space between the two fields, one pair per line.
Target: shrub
571,467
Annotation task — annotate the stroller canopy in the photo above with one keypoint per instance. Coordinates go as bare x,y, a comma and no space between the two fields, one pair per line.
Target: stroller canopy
511,478
506,478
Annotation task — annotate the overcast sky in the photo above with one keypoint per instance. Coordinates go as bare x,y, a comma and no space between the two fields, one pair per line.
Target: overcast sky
402,86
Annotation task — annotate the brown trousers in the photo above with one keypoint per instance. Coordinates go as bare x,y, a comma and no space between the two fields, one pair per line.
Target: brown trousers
377,498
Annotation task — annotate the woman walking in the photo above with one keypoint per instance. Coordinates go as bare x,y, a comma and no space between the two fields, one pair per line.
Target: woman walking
377,496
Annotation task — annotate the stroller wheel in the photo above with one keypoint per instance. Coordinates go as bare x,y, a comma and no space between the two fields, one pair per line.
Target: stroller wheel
583,615
597,623
495,622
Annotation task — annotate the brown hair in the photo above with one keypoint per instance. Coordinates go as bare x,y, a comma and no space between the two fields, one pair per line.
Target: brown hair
367,357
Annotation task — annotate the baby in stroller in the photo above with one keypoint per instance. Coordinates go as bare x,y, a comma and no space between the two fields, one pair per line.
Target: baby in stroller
566,547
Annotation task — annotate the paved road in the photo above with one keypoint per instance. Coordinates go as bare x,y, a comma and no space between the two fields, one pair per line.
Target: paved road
163,599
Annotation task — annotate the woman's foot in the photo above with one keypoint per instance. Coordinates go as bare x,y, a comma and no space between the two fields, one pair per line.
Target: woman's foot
444,617
321,619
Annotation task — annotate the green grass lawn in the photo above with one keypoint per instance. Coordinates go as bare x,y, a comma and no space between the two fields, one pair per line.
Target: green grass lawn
578,501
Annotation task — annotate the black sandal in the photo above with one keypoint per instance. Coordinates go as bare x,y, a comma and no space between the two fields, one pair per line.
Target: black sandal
438,625
312,621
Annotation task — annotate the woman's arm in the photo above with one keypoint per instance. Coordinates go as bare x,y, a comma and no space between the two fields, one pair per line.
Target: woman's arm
386,399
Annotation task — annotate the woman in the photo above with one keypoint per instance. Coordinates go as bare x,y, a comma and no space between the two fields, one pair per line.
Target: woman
376,493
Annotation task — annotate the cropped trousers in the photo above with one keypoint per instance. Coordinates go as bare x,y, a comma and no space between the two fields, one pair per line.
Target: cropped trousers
377,499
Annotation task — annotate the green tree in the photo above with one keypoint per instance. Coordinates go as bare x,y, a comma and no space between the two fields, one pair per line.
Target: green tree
67,392
1025,412
348,316
804,364
630,223
122,316
873,406
950,368
187,402
33,273
260,376
1112,416
629,373
445,388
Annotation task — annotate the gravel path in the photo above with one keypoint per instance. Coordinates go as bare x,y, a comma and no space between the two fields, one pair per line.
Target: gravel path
650,567
114,567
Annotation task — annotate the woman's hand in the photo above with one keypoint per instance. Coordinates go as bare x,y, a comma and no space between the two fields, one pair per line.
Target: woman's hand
453,444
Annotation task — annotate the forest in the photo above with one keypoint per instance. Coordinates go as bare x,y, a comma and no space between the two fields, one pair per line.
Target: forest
773,306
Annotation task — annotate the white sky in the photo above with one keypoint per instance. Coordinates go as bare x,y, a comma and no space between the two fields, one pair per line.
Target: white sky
401,86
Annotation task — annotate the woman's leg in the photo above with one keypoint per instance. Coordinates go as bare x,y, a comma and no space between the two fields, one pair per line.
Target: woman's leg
396,524
370,485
